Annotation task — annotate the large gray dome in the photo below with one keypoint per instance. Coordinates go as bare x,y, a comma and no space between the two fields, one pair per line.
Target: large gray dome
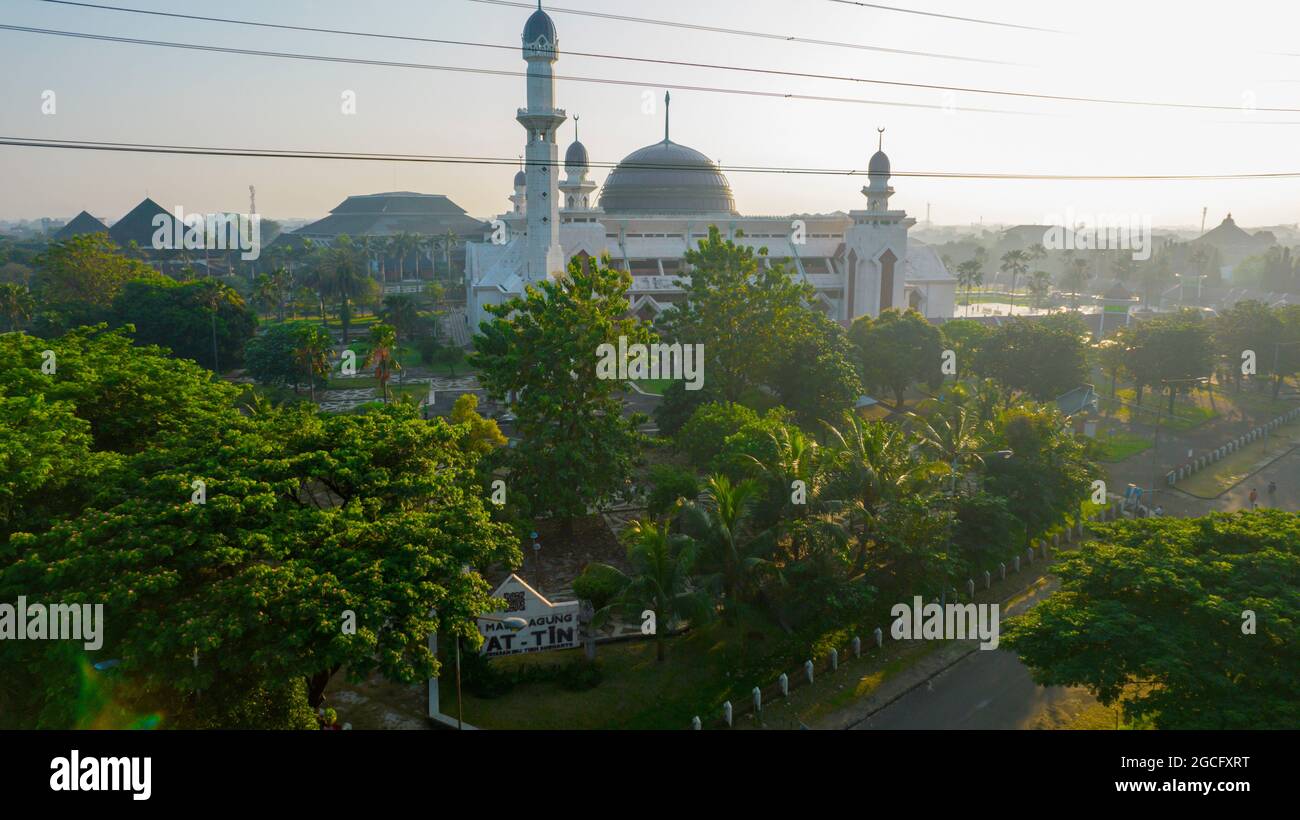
667,178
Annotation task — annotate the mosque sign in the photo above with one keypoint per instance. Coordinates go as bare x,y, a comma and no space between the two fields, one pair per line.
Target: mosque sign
550,626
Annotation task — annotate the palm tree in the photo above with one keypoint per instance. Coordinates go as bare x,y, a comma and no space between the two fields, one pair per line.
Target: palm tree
795,457
660,580
969,274
402,312
383,340
871,464
1075,279
1040,285
1016,263
736,557
403,245
312,354
342,277
264,292
953,433
15,304
449,241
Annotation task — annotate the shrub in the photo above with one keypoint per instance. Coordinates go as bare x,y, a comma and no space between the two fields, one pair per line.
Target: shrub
670,483
702,437
598,584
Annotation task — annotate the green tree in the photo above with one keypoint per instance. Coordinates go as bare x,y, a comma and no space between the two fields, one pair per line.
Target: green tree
1175,349
1152,615
898,350
541,350
185,316
311,354
736,558
308,519
659,580
383,341
15,304
1036,356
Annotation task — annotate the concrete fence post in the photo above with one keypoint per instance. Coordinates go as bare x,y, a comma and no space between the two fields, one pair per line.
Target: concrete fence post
1030,554
758,702
1016,563
1002,568
726,712
695,723
835,660
784,683
988,579
970,588
808,670
857,646
880,638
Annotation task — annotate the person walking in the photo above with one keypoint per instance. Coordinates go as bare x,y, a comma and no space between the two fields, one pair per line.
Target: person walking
1254,498
1272,493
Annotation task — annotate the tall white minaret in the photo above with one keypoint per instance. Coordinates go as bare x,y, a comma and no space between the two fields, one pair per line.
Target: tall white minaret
542,120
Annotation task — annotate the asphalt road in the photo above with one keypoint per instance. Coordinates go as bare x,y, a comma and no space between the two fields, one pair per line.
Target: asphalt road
988,689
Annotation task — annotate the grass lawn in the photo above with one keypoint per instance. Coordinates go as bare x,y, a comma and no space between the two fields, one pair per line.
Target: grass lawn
1233,469
1188,413
1116,445
637,692
655,387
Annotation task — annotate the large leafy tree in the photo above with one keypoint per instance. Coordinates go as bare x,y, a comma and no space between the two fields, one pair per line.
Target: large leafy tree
1153,615
576,447
816,378
305,521
1044,358
86,270
898,350
756,327
1170,352
185,317
1048,474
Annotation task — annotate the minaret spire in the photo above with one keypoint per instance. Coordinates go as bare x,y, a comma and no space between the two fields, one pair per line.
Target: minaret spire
668,99
575,118
880,140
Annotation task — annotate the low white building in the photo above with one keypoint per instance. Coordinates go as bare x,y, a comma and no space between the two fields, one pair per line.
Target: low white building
662,199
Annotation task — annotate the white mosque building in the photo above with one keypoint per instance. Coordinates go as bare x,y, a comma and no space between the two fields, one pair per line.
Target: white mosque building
662,199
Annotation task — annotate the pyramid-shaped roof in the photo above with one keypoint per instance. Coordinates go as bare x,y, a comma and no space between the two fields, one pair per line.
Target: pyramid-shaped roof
138,225
82,223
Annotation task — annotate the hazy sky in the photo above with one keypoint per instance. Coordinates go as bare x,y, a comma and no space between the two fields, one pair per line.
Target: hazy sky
1188,52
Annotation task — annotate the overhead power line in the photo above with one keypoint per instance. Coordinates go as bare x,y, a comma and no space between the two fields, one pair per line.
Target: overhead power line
452,159
609,81
439,41
946,16
501,72
675,24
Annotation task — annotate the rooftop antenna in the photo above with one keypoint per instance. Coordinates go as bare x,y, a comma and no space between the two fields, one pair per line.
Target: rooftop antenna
668,99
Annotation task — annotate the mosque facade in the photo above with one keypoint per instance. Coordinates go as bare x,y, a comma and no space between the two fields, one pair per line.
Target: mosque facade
662,199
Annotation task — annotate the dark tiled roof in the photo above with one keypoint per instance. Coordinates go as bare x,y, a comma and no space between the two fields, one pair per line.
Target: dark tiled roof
82,223
137,225
393,213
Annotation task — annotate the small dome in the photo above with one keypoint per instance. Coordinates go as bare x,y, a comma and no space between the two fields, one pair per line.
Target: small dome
540,27
879,164
521,180
575,159
667,178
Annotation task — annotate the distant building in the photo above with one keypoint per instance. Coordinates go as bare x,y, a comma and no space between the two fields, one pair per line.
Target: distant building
82,224
383,216
661,200
1234,244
